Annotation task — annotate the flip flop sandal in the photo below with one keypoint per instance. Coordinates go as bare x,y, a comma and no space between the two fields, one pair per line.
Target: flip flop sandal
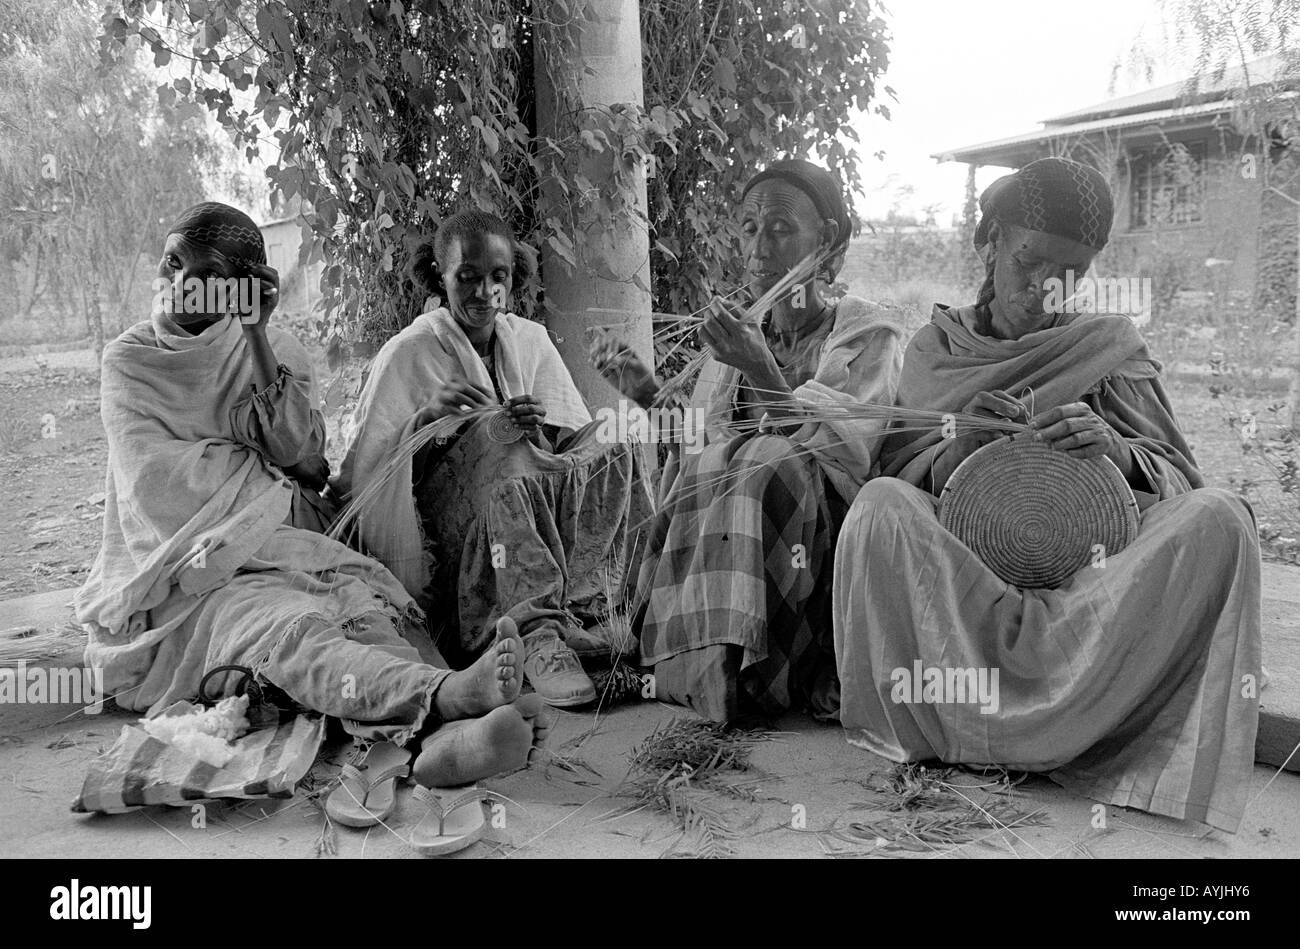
453,826
365,798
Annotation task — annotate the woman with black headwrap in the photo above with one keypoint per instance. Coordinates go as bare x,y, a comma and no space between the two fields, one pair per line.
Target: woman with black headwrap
203,561
733,593
1112,686
212,260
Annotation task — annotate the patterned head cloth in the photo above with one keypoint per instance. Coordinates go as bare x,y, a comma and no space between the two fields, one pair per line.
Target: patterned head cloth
1054,195
229,231
825,192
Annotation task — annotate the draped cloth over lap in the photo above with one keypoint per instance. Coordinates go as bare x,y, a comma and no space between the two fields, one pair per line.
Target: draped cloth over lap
731,594
194,462
486,528
547,537
1114,688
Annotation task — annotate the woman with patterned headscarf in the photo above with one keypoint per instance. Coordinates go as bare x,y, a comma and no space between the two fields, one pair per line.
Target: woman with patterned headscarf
733,593
1108,684
212,432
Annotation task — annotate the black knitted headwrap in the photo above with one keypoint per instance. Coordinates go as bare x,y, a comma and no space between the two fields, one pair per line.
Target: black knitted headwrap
826,194
227,230
1053,195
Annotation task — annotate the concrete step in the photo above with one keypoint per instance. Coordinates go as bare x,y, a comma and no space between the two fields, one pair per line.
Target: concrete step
1278,743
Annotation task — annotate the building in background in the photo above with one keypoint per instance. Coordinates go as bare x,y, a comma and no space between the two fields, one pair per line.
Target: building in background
299,283
1202,208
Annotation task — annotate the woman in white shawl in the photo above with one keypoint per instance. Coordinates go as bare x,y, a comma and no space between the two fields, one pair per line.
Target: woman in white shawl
212,432
534,520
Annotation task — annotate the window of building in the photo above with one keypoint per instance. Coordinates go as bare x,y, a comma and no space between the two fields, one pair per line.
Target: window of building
1167,185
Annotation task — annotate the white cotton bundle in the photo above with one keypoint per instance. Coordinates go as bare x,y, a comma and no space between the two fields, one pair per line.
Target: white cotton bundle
204,733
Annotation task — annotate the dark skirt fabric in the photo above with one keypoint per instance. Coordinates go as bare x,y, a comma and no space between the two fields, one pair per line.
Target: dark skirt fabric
732,604
543,536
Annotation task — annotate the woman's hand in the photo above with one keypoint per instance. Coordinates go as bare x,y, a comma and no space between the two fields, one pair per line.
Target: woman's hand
996,403
992,403
734,342
623,369
1077,430
267,286
527,413
456,395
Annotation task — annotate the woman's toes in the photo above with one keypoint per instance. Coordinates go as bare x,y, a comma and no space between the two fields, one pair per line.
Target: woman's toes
508,646
532,707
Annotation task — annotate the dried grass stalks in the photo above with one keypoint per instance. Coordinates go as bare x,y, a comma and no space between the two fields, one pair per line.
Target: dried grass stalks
689,770
440,428
27,644
618,684
925,811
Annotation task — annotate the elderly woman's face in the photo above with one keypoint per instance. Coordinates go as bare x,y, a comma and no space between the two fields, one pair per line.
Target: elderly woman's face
1025,265
183,263
478,275
780,227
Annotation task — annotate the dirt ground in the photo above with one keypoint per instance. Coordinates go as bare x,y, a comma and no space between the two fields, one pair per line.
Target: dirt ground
52,454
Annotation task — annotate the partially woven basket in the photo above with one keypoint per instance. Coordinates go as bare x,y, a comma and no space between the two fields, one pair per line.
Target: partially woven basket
502,428
1036,516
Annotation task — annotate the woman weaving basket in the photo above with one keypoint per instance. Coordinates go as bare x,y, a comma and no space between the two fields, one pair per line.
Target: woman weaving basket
733,593
520,511
1117,689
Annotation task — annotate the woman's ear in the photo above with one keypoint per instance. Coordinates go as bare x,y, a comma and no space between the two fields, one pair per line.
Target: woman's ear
995,236
830,233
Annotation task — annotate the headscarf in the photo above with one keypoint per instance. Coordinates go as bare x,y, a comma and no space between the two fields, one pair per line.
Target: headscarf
227,230
1054,195
826,194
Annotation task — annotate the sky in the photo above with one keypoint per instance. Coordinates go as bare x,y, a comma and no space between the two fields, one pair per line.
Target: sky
967,72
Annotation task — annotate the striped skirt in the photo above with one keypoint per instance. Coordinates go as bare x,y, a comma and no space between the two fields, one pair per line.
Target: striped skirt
732,604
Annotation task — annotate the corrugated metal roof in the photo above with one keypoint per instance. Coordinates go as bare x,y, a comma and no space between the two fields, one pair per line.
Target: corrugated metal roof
972,153
1265,69
1170,103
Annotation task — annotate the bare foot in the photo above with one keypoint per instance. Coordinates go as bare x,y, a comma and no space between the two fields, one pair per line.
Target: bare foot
492,681
535,712
462,752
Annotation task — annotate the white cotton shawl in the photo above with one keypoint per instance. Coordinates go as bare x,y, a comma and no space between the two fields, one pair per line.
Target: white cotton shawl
175,478
404,378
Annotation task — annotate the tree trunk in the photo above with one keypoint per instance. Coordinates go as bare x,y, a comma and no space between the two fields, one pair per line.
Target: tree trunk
1293,394
610,284
95,320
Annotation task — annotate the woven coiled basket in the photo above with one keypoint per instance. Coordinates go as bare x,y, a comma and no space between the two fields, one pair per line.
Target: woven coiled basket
1036,516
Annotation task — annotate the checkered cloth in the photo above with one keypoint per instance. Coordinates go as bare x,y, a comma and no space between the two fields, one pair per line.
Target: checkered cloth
740,556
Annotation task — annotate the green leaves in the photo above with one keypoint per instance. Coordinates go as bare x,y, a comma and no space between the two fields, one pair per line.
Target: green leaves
389,117
724,74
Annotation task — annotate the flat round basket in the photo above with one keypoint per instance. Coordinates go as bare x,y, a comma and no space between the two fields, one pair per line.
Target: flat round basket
1036,516
502,428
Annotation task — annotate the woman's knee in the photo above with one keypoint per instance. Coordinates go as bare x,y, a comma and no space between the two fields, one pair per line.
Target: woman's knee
888,496
1223,511
1211,509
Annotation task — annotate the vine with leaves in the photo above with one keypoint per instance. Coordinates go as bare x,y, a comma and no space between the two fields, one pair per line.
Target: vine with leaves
383,117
